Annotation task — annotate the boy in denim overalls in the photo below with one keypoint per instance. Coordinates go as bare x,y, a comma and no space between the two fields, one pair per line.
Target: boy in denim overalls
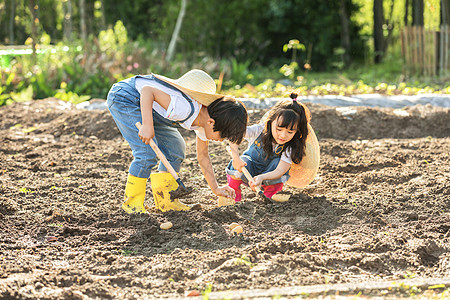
162,105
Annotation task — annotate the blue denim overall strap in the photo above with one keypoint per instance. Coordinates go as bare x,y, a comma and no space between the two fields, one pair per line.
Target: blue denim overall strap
257,152
259,163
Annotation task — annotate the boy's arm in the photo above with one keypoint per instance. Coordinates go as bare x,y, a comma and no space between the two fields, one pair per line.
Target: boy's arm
281,169
238,163
208,171
148,96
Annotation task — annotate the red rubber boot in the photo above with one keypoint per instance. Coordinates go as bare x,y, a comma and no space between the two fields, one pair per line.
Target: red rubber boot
234,184
270,190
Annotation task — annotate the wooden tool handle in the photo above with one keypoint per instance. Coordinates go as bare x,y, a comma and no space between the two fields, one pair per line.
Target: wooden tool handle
160,155
245,171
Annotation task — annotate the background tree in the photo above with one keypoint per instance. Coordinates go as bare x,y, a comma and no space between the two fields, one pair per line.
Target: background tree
252,32
345,34
67,5
417,11
445,12
176,31
406,14
12,15
34,23
378,35
389,25
83,29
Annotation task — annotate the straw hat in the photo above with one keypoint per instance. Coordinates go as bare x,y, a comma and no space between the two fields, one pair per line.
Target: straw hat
303,173
197,84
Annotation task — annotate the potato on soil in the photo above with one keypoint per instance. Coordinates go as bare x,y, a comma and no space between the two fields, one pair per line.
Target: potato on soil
166,225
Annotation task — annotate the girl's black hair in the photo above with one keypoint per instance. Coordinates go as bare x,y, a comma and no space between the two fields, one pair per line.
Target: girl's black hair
289,114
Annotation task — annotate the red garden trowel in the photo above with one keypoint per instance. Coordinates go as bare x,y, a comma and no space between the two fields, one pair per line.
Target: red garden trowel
167,187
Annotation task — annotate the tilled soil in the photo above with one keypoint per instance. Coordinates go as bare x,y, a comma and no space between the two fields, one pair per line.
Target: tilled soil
378,209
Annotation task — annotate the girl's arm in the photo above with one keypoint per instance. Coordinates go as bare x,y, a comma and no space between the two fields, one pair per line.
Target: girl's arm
281,169
148,96
208,171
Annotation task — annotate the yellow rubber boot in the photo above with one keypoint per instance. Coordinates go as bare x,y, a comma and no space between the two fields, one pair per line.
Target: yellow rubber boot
134,195
162,185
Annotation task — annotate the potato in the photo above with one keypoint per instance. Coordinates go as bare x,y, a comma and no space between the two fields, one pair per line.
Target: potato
281,197
224,201
233,225
237,230
166,225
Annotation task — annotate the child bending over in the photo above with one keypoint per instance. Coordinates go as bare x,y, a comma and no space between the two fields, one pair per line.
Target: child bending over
163,105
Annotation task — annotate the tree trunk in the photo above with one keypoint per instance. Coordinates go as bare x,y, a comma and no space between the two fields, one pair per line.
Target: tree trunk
406,16
67,19
378,21
11,22
102,8
445,12
176,32
345,33
390,27
443,57
417,11
83,20
34,21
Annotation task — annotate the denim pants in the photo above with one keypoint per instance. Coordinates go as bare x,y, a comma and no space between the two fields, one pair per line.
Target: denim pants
124,104
258,163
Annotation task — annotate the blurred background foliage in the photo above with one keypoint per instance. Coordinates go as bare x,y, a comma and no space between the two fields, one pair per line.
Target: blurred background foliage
76,49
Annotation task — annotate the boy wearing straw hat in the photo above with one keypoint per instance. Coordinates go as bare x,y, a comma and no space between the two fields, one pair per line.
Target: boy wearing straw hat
162,105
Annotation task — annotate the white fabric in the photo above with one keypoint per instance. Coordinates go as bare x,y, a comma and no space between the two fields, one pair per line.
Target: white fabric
179,108
252,133
200,132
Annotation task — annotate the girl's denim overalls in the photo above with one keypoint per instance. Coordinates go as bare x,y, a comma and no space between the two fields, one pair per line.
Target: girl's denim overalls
124,104
258,163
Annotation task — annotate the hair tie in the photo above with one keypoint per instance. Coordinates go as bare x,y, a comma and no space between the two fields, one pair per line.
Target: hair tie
293,96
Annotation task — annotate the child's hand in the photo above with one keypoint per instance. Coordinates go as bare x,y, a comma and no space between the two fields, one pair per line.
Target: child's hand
225,191
146,133
257,181
238,164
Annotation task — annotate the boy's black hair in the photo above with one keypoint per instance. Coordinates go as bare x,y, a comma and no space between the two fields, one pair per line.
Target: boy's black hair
292,115
230,118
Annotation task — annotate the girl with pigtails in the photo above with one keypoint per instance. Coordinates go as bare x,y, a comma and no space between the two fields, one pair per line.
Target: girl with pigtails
275,143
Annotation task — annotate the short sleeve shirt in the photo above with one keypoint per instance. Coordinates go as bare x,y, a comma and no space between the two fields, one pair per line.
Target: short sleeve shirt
254,131
179,108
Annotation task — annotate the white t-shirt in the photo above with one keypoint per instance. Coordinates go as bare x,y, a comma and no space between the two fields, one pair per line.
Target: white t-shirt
254,131
179,108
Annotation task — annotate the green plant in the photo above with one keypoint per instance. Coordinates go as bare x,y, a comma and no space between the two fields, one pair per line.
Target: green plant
239,71
207,291
25,190
290,70
243,260
295,46
71,97
338,63
127,252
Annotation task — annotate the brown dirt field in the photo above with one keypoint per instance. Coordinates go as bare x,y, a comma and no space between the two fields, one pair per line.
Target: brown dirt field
378,209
